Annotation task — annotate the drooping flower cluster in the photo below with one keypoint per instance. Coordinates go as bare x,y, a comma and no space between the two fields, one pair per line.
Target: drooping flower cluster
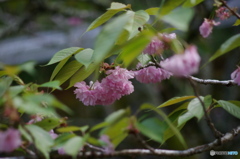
222,13
9,140
152,74
207,26
159,43
235,76
183,65
111,88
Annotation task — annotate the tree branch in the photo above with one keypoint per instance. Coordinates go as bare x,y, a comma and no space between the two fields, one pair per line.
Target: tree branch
160,152
213,82
216,133
230,9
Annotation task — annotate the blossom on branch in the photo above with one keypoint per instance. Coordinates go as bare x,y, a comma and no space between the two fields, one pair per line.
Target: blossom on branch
183,65
111,88
235,76
152,74
159,43
9,140
222,13
207,26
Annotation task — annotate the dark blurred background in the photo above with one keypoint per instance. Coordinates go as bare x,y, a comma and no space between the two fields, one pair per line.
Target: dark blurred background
34,30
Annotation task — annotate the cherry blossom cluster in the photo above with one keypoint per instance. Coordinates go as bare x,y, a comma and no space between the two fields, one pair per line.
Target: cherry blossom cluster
116,83
207,26
9,140
222,13
110,89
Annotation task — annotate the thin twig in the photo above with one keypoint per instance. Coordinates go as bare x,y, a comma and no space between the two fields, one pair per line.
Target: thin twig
161,152
230,9
213,81
95,147
143,142
216,133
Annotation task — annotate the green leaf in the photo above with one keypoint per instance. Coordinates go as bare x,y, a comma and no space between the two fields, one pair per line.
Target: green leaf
72,128
52,84
62,139
140,18
59,67
152,11
117,132
184,118
152,128
171,126
169,5
116,5
143,59
114,9
134,47
195,108
179,18
227,46
82,74
191,3
31,107
175,100
99,126
230,108
68,71
117,115
5,83
237,23
42,139
48,123
84,57
73,145
65,53
107,37
15,90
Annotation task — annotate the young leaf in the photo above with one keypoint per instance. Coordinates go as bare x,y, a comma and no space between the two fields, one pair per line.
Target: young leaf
164,116
5,83
117,132
42,139
184,118
84,57
82,74
169,5
230,108
51,84
179,18
59,67
195,108
227,46
117,115
74,145
72,128
116,5
152,128
62,139
191,3
175,100
107,37
65,53
152,11
68,71
134,47
48,123
237,23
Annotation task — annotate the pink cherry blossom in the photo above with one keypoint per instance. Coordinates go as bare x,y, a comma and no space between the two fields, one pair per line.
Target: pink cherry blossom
152,74
53,134
183,64
159,43
86,94
235,76
108,146
222,13
111,88
207,26
9,140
